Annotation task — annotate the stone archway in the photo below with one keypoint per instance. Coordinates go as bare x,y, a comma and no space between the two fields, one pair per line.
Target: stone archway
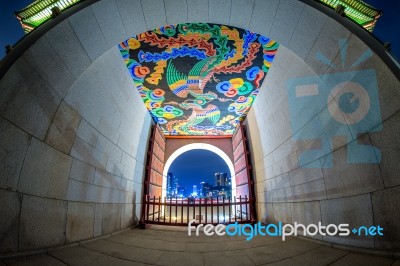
202,146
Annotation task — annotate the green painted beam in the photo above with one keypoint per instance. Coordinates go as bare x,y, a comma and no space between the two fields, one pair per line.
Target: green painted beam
39,12
358,11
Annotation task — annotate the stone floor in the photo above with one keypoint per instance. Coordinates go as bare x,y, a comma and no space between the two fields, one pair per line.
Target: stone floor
165,246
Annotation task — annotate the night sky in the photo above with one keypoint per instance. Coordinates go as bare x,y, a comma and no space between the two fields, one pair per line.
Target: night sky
387,27
10,28
195,166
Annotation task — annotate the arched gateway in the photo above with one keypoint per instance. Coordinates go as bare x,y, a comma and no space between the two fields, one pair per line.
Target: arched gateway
158,209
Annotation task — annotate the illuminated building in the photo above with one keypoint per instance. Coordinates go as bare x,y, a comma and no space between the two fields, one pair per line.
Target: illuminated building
40,11
172,185
358,11
222,179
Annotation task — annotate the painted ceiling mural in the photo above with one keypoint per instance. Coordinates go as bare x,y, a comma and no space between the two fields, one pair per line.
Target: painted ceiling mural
197,78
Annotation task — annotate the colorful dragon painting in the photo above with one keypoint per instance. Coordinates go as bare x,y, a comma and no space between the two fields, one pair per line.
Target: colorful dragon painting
198,78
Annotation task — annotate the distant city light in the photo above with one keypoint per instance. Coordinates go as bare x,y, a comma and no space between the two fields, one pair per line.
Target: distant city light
358,11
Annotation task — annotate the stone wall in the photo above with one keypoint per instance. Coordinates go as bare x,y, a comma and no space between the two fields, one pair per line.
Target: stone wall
310,167
73,135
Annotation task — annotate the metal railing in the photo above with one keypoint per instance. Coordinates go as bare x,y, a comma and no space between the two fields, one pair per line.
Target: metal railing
179,211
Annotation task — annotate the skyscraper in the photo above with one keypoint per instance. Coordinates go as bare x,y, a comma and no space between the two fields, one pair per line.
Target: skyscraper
221,179
194,190
172,185
205,189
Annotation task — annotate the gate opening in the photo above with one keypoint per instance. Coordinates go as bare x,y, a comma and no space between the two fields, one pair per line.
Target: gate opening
161,206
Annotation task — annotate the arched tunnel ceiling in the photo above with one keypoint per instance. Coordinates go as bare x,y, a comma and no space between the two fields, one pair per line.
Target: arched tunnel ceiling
198,78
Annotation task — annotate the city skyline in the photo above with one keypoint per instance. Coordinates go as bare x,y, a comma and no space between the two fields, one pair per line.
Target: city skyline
196,166
221,187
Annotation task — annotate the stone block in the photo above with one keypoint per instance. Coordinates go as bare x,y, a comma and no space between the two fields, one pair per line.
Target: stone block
180,258
314,190
129,172
45,60
386,206
87,133
287,16
278,182
241,12
90,36
355,211
269,212
282,212
111,218
80,191
9,223
305,175
307,213
45,171
127,252
110,22
263,16
80,221
346,179
128,160
281,130
105,179
362,259
308,28
154,13
389,95
286,165
63,128
133,24
114,167
283,150
237,257
139,173
84,152
27,100
67,45
85,256
35,261
268,160
319,256
109,148
81,171
127,215
176,11
219,11
125,143
98,219
109,127
42,223
327,45
107,195
197,10
14,144
85,99
389,146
